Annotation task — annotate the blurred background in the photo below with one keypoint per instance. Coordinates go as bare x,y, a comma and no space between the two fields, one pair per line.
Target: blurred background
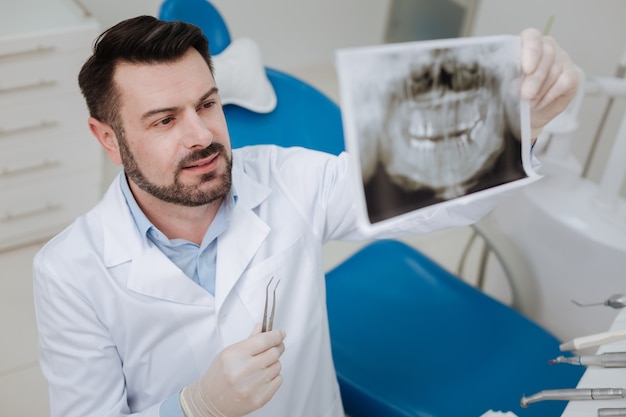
300,38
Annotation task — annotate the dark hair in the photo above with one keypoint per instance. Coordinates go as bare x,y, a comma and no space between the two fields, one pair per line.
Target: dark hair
142,39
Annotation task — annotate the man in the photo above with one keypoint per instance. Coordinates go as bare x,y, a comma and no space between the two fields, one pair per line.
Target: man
150,303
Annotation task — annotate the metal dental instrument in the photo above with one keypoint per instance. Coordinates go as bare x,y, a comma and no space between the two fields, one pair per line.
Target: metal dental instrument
604,360
269,323
615,301
611,412
574,394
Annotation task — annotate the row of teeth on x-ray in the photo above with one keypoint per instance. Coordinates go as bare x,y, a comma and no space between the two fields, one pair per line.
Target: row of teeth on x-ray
439,132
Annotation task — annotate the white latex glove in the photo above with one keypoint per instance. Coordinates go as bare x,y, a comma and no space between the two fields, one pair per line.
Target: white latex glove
550,78
242,378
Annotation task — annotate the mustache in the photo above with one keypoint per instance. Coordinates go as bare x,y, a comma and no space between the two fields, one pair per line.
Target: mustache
213,148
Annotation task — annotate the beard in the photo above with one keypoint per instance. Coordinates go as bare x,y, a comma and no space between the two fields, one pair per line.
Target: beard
178,193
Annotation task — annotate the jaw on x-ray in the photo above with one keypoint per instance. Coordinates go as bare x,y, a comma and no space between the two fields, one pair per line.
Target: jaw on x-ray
444,123
434,121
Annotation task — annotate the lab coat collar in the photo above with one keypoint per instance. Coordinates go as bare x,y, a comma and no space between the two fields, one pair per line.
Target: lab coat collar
246,232
122,238
151,273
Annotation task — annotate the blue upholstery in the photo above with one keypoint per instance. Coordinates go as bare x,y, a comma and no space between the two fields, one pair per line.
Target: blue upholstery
411,339
202,14
304,116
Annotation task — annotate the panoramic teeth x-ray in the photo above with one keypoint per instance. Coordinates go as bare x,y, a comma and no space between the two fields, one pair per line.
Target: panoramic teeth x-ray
432,121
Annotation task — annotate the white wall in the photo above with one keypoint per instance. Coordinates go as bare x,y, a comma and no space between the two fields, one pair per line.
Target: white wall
111,12
291,33
300,33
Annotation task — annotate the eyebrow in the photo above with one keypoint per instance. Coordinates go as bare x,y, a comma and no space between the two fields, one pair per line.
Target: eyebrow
153,112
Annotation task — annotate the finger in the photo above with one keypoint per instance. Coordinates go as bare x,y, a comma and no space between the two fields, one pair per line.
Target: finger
563,89
265,375
556,70
267,391
261,386
272,372
533,82
270,356
258,343
532,47
542,116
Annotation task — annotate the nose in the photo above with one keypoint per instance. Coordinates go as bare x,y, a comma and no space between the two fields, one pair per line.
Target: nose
197,132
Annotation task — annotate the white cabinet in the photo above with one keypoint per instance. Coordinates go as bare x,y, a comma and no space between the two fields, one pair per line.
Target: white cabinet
50,165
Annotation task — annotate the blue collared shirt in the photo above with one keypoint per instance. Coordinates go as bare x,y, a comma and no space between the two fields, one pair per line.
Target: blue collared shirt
196,261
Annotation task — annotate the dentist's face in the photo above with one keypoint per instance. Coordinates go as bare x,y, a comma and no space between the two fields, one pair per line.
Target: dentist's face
444,124
174,144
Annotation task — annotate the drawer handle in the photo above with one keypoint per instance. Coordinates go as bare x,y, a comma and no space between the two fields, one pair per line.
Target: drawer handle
35,84
35,211
45,164
40,125
35,50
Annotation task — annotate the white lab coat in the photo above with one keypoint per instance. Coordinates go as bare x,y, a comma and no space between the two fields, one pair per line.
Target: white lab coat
122,328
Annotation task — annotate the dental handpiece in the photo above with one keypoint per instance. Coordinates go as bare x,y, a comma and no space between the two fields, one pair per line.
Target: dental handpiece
604,360
573,394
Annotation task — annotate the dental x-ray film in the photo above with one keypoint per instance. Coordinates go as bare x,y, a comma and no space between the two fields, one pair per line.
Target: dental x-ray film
434,123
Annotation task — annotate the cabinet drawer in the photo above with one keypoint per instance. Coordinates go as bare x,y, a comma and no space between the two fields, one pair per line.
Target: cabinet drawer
46,116
44,208
53,39
30,78
48,156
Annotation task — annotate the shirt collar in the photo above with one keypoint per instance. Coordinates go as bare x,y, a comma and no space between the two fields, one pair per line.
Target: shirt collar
144,225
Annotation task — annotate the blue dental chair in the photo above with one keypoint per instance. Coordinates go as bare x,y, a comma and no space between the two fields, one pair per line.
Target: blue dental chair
409,339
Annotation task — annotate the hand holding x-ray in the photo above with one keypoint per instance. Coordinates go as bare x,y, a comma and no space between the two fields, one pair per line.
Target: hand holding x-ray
550,78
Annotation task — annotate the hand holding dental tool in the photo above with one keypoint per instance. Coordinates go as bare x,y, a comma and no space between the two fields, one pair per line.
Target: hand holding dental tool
574,394
241,378
604,360
593,340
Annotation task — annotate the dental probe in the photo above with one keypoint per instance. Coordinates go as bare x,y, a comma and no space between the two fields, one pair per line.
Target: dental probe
611,412
615,301
605,360
593,340
573,394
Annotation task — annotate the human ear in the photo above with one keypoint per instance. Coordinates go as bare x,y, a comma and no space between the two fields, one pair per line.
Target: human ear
107,138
